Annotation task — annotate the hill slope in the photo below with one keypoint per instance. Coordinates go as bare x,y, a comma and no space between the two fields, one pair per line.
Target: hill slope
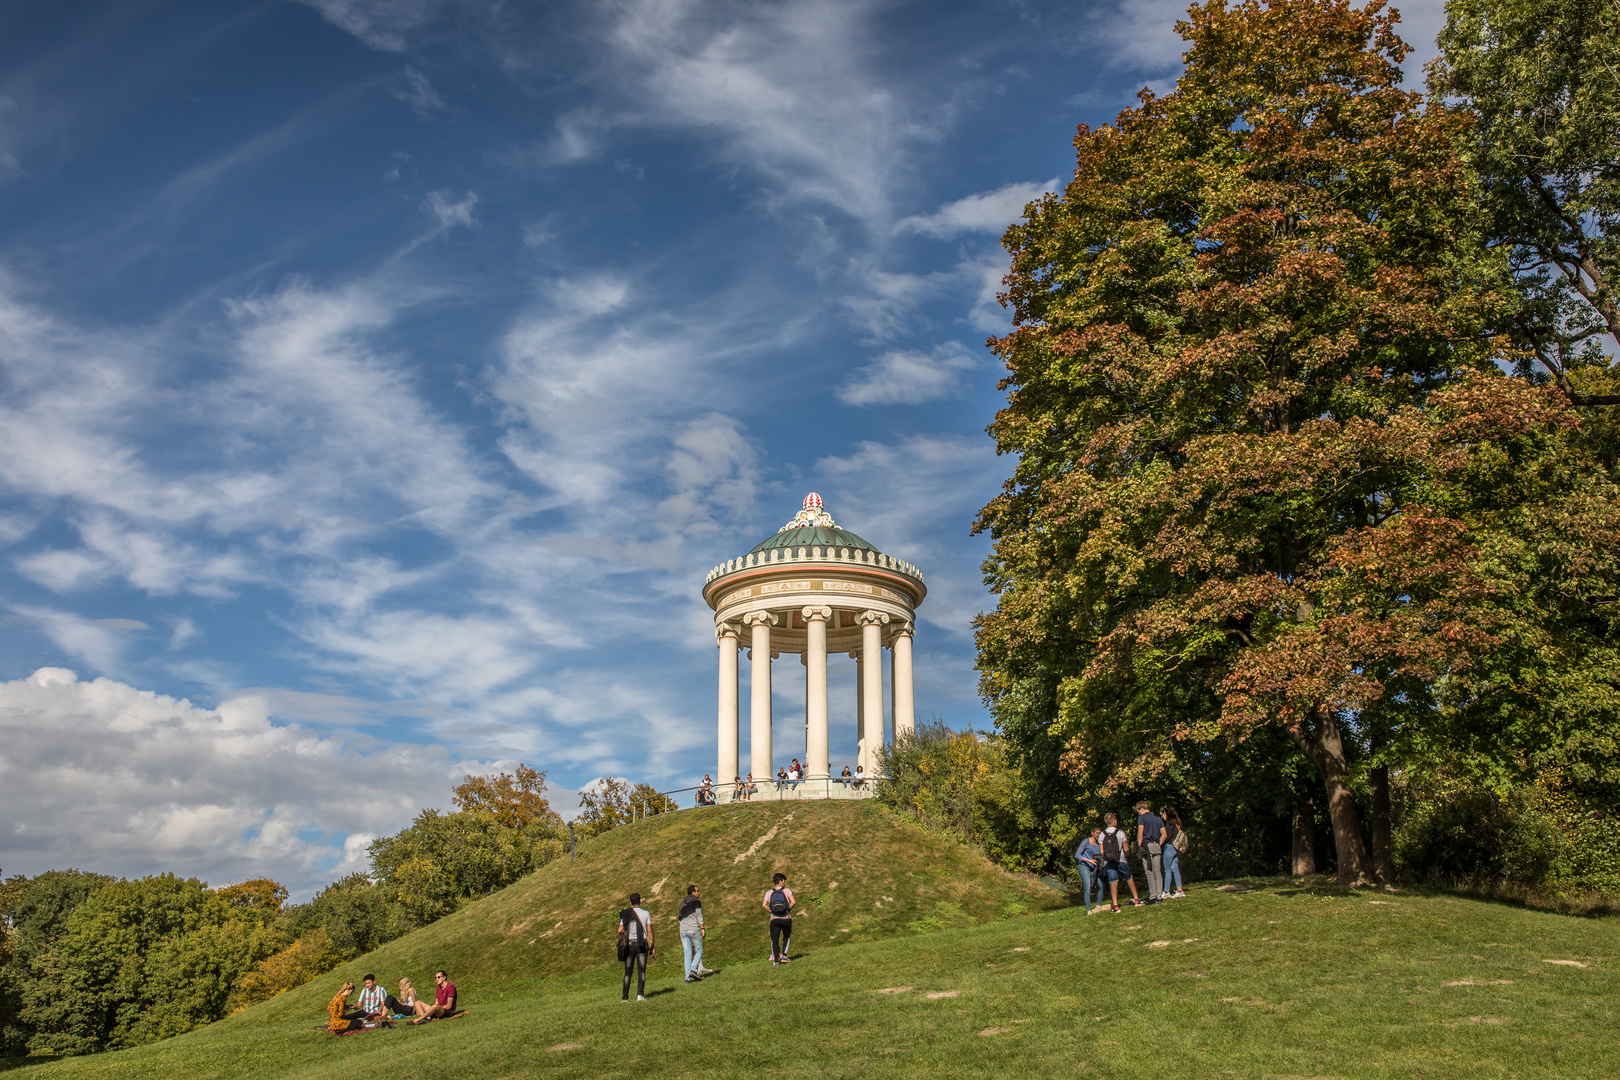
1280,981
858,872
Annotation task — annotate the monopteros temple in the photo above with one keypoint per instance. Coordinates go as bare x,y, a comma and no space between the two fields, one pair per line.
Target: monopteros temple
811,588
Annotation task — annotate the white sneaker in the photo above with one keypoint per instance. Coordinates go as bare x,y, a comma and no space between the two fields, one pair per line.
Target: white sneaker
640,998
1179,894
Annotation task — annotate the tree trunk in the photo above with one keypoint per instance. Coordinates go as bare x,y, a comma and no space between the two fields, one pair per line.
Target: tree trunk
1383,854
1304,839
1324,745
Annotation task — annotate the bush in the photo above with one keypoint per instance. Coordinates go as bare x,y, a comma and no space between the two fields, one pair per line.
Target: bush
311,955
1545,835
962,782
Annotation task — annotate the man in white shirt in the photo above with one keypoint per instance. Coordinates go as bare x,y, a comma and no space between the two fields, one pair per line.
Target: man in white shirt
372,999
635,926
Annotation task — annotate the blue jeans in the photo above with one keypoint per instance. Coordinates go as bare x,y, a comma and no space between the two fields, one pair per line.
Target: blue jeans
692,951
1172,868
1090,880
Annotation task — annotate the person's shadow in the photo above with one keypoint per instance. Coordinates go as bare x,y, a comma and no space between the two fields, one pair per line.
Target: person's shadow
660,993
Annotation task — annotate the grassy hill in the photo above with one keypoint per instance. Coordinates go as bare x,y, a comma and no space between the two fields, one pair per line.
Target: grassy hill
1264,979
858,872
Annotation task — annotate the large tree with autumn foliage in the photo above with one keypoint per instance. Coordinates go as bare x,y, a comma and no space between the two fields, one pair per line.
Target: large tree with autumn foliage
1255,413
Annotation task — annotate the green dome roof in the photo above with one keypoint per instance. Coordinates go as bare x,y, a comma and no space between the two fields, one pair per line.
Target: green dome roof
812,537
813,534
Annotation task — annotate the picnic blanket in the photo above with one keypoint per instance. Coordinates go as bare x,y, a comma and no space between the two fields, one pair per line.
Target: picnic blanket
388,1025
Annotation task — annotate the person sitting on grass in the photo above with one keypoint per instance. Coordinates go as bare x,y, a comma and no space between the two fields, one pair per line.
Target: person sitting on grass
1116,850
373,999
340,1019
444,1000
405,1003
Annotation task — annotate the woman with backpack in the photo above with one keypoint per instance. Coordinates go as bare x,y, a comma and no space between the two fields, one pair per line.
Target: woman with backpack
1174,844
779,902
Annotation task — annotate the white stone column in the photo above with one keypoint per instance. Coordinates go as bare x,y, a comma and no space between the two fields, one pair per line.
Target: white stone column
860,708
872,623
815,692
905,702
727,634
759,697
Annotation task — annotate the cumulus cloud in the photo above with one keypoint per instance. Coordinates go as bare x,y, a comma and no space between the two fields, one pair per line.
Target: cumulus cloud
986,212
909,376
125,781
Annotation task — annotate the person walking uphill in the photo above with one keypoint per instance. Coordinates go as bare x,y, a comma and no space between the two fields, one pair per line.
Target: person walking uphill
635,945
779,902
1150,835
692,933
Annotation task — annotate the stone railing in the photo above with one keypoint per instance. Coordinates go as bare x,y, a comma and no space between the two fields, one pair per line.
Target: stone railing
814,553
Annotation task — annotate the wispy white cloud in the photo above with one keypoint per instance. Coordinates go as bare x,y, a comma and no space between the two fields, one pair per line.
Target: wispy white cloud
794,92
451,213
986,212
920,494
384,24
909,376
100,642
419,94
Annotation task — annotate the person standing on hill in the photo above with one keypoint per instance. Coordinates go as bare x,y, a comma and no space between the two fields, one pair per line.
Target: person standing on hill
1089,856
1150,835
692,932
635,931
1116,850
1175,842
779,903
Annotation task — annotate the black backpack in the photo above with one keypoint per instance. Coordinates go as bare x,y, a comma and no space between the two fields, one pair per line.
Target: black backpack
779,904
1112,849
627,944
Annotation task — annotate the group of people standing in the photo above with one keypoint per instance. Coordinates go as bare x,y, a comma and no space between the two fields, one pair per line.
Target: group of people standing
1104,858
375,1007
637,946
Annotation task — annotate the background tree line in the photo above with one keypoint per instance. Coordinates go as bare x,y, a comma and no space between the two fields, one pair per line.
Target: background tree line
1313,519
90,962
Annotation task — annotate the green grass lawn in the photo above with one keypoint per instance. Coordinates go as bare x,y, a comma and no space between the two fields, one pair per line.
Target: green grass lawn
1281,980
1277,982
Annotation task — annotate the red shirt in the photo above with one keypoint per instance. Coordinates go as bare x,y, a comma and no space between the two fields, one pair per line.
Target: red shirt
445,995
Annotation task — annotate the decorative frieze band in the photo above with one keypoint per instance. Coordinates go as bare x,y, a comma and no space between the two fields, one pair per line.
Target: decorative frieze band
773,587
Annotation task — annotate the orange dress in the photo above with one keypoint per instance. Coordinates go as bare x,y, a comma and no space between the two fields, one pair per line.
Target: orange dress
334,1013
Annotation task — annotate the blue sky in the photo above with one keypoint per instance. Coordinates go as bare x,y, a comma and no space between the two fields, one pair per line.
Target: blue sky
381,378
